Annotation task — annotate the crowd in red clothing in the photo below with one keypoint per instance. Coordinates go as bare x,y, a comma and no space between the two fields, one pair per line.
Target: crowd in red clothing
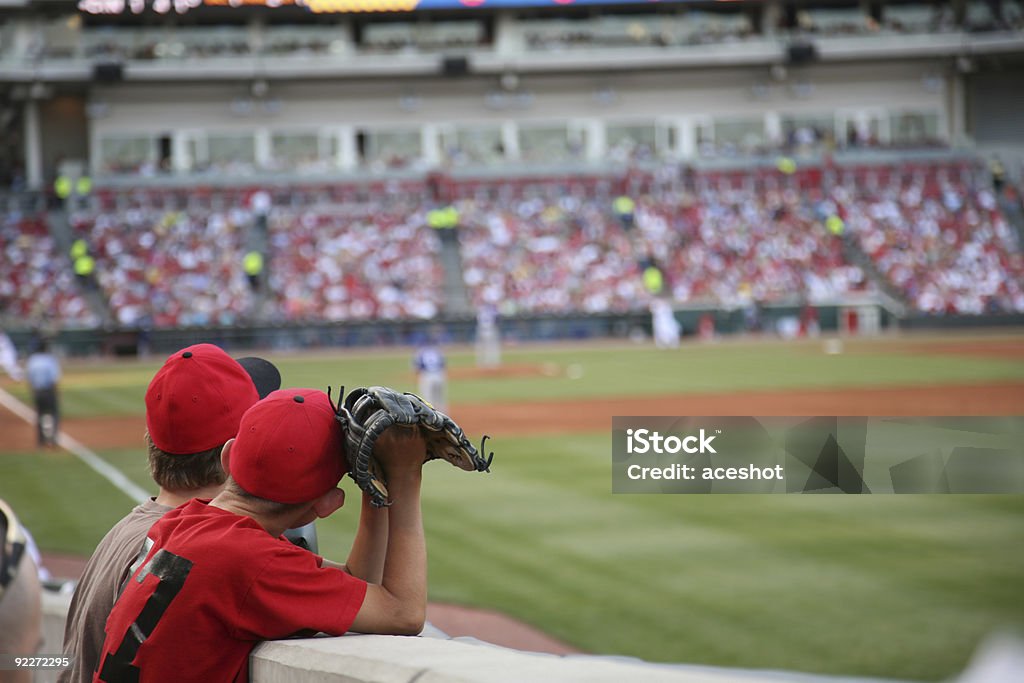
946,247
554,254
363,259
732,246
166,267
326,261
934,233
36,280
561,253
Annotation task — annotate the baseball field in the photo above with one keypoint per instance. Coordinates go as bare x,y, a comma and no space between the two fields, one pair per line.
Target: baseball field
891,586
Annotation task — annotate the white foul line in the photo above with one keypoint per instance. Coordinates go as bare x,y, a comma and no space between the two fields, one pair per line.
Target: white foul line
69,443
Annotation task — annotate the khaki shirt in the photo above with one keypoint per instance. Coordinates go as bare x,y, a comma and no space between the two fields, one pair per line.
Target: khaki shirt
108,568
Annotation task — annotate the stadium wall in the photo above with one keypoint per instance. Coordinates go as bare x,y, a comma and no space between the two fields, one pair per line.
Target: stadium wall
673,95
131,342
398,332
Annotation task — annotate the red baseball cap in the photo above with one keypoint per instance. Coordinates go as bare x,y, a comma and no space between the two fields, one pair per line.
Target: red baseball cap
289,447
197,399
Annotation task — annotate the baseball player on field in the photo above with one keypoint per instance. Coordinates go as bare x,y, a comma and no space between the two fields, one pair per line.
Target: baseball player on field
488,337
42,370
664,324
432,375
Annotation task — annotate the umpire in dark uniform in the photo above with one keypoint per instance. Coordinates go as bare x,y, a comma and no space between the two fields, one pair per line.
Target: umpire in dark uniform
43,372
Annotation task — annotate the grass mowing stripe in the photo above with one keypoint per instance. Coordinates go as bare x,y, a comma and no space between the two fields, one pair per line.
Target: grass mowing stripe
96,463
100,401
725,601
630,582
638,595
66,506
134,463
848,570
107,400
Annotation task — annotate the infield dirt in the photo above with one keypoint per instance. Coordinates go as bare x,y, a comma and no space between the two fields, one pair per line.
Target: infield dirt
556,417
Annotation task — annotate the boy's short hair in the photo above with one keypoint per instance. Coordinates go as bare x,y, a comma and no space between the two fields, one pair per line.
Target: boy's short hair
268,507
185,472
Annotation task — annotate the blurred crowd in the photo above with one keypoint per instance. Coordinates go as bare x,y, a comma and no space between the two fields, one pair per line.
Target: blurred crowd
65,38
362,259
945,247
369,259
729,247
737,245
931,235
36,280
547,255
164,268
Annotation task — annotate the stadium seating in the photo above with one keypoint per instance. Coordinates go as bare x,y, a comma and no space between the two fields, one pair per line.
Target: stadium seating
945,246
166,267
370,259
37,282
725,245
167,258
547,255
530,245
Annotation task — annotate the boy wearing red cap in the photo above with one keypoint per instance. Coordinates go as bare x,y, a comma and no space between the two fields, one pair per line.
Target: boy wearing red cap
217,577
193,406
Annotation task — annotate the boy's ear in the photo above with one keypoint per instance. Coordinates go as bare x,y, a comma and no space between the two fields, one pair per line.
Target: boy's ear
327,504
225,456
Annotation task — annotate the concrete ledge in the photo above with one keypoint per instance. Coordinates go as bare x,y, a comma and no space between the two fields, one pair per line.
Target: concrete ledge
393,659
434,658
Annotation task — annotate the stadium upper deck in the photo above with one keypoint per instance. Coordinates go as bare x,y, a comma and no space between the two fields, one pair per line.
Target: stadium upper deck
182,87
153,38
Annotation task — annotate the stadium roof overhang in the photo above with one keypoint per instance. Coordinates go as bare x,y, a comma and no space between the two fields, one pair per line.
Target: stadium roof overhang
484,63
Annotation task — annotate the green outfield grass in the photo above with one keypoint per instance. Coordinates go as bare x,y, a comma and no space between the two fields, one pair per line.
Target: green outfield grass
118,388
893,586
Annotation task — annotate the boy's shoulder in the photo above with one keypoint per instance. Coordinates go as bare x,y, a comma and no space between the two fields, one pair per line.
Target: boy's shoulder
197,521
211,535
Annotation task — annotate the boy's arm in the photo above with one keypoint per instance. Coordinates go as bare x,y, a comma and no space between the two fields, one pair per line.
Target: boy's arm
366,559
398,605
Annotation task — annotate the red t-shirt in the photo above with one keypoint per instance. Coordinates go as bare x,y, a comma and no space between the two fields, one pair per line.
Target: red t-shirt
214,584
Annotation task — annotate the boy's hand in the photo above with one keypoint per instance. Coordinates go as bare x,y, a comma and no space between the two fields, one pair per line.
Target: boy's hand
401,451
